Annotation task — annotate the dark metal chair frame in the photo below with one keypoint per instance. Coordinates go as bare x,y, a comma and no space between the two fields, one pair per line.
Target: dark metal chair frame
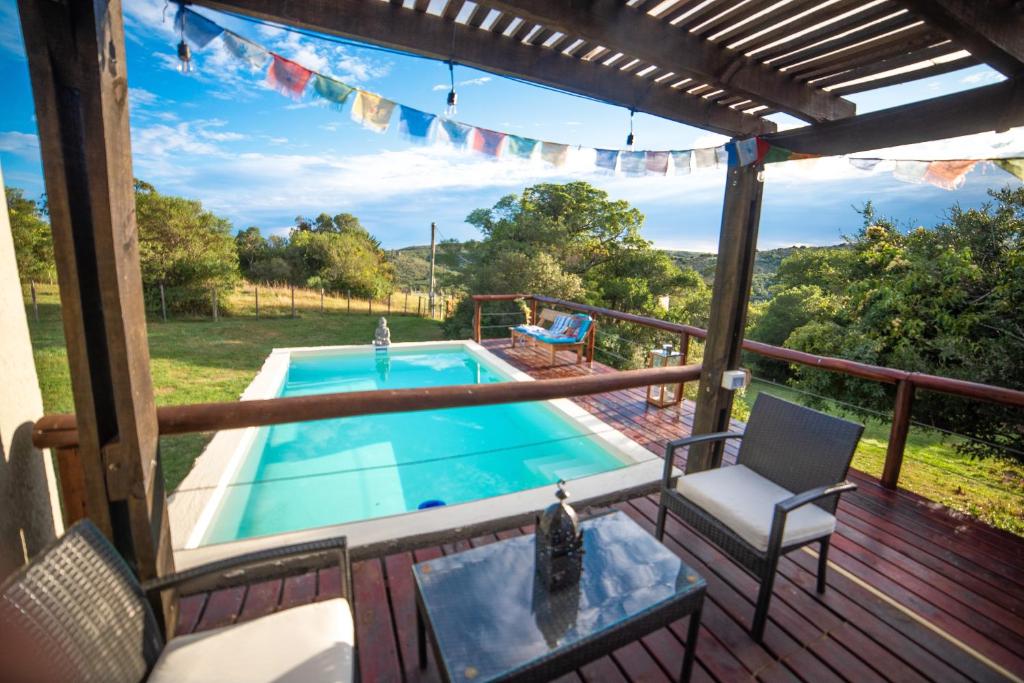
800,449
85,617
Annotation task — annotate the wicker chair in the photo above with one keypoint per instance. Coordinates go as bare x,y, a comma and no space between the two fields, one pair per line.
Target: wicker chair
759,510
77,613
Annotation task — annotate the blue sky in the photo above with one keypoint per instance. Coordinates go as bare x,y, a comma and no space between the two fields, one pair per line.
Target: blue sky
222,136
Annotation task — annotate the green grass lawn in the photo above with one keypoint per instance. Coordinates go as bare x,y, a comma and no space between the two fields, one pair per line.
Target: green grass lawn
199,361
991,489
196,361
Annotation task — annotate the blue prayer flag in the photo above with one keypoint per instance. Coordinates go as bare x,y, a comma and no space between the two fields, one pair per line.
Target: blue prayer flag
197,28
415,124
456,133
606,159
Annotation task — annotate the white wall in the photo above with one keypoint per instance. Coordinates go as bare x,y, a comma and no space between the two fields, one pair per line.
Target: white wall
29,508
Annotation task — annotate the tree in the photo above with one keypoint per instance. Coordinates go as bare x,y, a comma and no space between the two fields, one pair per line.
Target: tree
33,241
186,252
251,247
338,254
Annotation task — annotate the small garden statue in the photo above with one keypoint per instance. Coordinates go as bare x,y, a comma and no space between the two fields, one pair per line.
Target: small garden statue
382,337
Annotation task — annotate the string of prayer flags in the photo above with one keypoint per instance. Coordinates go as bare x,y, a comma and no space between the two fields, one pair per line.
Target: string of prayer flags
633,164
414,124
248,52
949,175
521,147
656,163
705,158
488,142
287,77
335,92
606,159
776,155
910,171
457,134
554,153
372,111
198,29
1012,166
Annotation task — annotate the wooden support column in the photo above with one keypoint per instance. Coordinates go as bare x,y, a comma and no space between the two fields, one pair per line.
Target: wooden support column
476,320
898,434
734,271
77,62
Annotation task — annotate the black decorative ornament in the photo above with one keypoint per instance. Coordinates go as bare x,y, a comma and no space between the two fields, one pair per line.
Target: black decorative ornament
559,544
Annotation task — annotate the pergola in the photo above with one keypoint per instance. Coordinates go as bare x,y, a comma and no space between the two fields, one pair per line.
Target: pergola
722,65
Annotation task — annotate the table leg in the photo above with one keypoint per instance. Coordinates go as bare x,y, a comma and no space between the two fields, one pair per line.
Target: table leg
691,645
421,638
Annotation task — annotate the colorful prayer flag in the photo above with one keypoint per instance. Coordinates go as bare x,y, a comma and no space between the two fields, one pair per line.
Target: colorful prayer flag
949,175
865,164
554,153
681,161
633,163
250,53
706,157
721,156
372,111
287,77
335,92
606,159
656,163
415,124
521,147
1013,166
198,29
488,141
910,171
457,134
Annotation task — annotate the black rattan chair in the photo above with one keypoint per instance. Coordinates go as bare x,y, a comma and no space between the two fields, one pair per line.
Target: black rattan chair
77,613
781,495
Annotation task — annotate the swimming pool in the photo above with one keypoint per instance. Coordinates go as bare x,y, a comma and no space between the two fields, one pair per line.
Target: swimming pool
290,477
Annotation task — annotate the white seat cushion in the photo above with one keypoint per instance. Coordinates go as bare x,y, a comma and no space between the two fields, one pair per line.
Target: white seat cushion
745,502
311,643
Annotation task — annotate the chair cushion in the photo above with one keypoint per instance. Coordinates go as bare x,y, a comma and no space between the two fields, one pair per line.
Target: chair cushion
311,643
745,502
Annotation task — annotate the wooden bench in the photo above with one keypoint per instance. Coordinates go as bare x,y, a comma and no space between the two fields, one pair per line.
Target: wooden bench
546,318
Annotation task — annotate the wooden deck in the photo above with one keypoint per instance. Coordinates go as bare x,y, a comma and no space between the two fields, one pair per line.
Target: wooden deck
914,592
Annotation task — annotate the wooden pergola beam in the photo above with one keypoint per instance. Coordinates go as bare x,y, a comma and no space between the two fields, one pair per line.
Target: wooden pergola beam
620,28
992,107
395,27
991,30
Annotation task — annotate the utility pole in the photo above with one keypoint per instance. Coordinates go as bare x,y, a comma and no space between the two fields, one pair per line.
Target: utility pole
433,250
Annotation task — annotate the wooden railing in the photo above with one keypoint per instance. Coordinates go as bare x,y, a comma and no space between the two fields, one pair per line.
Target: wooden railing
60,432
906,382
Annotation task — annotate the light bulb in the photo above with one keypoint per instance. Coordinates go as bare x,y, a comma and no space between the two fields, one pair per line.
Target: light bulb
453,99
185,64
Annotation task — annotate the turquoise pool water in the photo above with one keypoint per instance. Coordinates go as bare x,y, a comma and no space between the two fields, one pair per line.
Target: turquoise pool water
299,476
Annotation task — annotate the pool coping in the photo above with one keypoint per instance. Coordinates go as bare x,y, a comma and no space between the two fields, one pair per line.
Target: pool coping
192,507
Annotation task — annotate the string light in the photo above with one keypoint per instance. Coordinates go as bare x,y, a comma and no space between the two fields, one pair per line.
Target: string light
185,64
630,139
453,97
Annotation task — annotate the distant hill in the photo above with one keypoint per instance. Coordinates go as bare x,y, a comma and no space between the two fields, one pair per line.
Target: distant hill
412,265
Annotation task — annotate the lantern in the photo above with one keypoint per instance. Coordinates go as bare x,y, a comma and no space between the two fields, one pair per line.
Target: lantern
559,544
663,395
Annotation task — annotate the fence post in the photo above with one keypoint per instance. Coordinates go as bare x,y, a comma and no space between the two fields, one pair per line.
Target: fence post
370,304
389,304
898,433
476,320
163,303
321,299
35,303
348,299
405,306
419,306
215,315
256,288
293,300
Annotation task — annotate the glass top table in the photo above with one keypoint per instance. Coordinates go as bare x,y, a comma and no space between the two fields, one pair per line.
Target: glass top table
489,620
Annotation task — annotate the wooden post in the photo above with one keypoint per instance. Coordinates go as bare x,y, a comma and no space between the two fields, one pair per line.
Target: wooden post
389,304
256,288
684,348
321,299
476,320
590,345
898,434
405,306
77,63
163,303
215,312
348,299
370,304
419,306
73,494
533,311
293,300
734,271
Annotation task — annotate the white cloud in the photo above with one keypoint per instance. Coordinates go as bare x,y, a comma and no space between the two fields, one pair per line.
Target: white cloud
468,82
22,144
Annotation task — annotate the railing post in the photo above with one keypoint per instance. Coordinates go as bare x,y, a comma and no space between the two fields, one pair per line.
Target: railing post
898,434
684,348
477,304
533,311
72,485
